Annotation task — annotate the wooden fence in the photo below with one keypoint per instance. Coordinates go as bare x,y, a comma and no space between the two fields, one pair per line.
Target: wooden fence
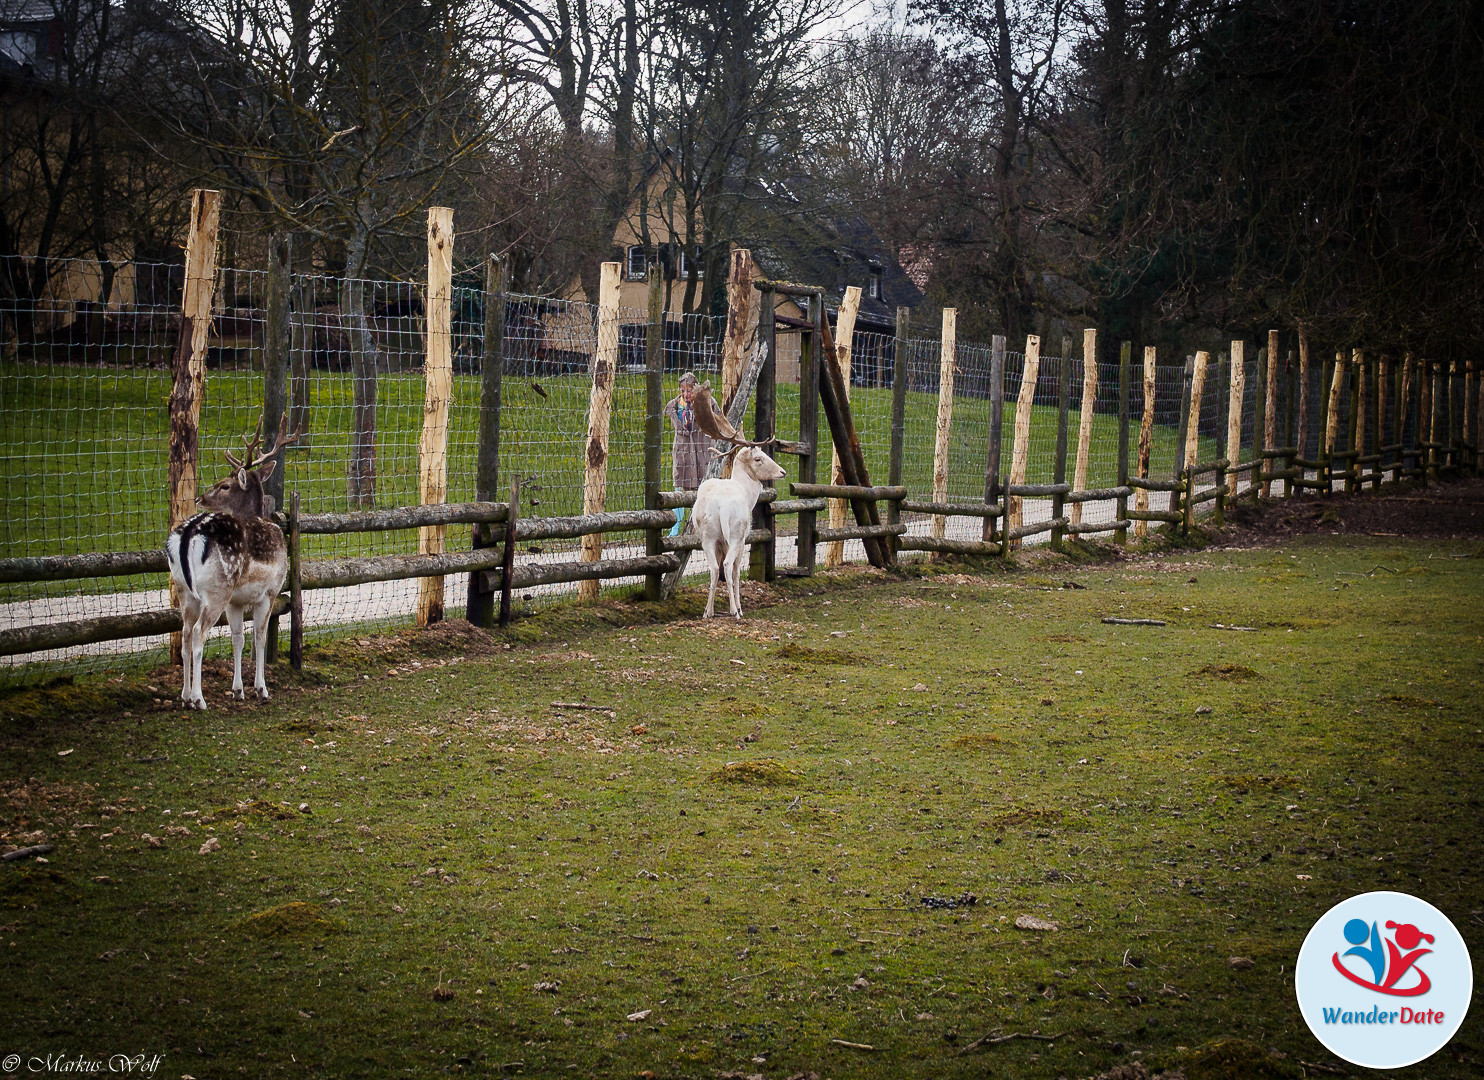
1408,418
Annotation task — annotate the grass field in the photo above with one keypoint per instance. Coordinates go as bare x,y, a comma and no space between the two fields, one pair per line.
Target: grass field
84,451
614,846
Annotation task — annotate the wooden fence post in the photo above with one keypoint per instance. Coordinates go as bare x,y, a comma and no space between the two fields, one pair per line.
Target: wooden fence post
834,551
1356,422
1332,421
1260,444
654,420
1030,370
1404,413
1125,372
1450,412
1059,467
1479,422
296,591
1469,443
898,413
1375,419
1301,433
480,607
1426,427
1290,461
1270,412
188,367
993,489
1146,441
600,410
743,304
763,565
1223,378
1184,428
1084,416
432,447
947,365
1193,428
275,383
811,343
1236,390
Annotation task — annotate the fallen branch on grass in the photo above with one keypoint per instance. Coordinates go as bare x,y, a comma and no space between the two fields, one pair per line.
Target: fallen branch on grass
1111,621
995,1040
27,852
1223,626
851,1045
581,705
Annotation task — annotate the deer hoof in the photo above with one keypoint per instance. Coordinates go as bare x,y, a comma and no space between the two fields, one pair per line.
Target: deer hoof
262,693
238,695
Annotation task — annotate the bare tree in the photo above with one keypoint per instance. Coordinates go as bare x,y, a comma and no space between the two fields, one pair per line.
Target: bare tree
340,120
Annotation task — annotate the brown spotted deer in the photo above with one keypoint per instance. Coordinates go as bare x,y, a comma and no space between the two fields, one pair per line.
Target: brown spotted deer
229,558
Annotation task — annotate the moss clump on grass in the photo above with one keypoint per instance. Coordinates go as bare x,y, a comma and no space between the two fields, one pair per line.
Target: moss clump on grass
765,771
808,655
1234,1059
256,808
1229,672
979,740
294,920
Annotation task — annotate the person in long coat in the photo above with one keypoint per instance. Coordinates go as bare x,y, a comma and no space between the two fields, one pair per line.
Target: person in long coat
691,444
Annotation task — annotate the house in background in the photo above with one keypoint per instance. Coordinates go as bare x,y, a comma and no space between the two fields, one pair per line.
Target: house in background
833,254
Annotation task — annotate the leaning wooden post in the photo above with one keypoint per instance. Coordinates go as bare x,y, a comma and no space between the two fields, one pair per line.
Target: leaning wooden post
1290,460
432,447
1193,426
993,489
1125,372
1146,441
1301,434
1084,416
743,304
599,413
834,551
1185,426
1020,453
480,607
947,365
1236,390
1059,471
188,367
1270,412
654,420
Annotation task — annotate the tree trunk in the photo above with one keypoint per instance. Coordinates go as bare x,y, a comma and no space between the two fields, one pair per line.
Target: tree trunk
360,476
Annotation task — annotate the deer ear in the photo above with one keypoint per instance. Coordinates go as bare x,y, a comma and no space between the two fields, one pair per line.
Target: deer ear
267,469
242,479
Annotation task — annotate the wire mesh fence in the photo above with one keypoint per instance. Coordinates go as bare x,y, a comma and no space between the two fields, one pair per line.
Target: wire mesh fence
86,376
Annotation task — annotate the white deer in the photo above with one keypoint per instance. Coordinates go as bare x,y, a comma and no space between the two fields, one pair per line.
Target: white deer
230,558
723,517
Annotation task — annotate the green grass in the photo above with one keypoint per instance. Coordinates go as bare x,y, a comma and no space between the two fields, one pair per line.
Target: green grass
738,835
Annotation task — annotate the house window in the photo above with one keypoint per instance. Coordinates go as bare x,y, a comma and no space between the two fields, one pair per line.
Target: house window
691,263
635,263
873,287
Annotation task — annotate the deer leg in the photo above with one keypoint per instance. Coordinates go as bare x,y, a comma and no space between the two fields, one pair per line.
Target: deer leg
234,621
260,614
206,618
714,565
734,580
190,611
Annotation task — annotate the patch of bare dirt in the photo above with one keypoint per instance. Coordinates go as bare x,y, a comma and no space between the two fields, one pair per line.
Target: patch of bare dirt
1440,511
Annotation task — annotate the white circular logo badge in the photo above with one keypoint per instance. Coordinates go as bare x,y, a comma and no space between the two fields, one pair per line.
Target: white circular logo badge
1383,980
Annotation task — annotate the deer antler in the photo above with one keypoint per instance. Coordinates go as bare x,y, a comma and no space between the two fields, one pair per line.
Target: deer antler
252,442
282,441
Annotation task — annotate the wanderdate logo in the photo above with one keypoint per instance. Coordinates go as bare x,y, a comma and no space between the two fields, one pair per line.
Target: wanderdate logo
1384,980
